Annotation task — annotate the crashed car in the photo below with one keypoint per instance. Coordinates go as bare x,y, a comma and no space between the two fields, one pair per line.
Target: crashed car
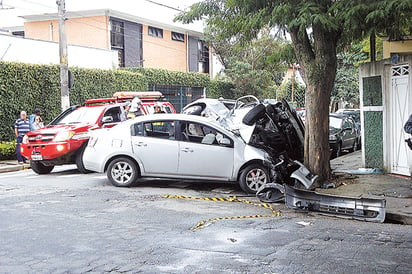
238,144
274,127
175,146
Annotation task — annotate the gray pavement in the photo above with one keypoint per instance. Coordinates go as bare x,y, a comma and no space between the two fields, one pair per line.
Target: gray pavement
67,222
395,189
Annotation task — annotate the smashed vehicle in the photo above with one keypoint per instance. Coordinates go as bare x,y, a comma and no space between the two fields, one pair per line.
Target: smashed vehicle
277,129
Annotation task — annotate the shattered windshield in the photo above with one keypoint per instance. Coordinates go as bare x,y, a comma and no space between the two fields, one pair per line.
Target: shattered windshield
335,122
82,115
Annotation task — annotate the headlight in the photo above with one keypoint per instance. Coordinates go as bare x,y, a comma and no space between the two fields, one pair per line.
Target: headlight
333,138
64,136
81,136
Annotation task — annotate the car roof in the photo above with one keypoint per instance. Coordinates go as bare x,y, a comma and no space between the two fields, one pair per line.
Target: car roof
173,116
338,115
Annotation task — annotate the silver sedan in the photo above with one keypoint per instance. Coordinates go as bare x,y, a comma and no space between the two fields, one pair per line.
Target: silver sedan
176,146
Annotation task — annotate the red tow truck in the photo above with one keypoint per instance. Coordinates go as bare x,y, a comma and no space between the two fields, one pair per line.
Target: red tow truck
65,138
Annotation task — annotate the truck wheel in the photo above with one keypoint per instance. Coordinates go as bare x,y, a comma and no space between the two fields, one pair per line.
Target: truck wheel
79,160
253,177
122,172
39,168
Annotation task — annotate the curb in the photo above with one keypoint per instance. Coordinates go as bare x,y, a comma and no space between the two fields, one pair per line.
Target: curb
398,218
12,168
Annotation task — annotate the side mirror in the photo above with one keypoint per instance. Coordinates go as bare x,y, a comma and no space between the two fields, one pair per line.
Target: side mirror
107,119
224,142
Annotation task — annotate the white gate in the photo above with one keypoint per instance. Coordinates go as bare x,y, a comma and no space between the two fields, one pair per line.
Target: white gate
401,108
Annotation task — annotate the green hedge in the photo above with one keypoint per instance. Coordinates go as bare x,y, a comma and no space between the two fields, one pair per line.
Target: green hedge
7,150
27,86
178,78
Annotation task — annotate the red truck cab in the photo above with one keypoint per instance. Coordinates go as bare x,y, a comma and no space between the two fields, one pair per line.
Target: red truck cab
65,138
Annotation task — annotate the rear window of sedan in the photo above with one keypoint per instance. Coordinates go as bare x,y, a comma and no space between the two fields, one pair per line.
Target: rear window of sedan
156,129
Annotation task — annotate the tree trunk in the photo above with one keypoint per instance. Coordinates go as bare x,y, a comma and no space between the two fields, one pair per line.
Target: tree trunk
318,60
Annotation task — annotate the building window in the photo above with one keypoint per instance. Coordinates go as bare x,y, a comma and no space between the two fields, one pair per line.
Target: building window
203,56
155,32
178,36
117,40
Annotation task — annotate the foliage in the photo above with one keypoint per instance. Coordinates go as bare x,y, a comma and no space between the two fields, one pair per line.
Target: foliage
167,77
220,88
27,86
296,95
7,150
346,86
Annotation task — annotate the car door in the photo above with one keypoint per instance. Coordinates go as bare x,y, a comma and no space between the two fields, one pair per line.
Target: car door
201,155
349,133
155,146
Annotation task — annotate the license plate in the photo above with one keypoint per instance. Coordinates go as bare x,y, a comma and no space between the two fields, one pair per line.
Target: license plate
37,157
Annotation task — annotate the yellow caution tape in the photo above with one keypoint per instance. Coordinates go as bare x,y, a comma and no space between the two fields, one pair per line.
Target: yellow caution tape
201,224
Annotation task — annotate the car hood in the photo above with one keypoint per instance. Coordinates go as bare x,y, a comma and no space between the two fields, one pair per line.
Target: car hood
333,131
53,129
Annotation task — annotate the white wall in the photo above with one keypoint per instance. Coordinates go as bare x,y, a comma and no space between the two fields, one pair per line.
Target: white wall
18,49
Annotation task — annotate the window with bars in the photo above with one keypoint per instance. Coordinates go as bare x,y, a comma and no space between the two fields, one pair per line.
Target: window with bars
155,32
178,36
400,70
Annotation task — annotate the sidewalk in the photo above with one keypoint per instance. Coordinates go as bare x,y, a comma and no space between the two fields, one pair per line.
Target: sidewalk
12,165
396,190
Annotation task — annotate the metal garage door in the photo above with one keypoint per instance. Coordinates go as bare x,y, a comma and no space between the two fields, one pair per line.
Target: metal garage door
401,108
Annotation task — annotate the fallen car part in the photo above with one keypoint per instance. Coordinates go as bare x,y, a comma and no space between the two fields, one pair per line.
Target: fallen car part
206,222
271,193
303,175
363,209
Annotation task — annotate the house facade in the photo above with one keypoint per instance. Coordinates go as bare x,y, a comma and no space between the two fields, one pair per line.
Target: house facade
139,42
386,103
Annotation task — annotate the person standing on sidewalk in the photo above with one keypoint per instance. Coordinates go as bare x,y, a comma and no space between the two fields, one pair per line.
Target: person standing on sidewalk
33,116
408,129
408,125
21,127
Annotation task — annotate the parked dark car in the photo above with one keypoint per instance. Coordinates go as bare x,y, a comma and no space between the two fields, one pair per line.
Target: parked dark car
354,113
343,134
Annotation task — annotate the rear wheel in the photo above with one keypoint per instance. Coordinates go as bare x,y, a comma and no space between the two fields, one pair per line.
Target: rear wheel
40,168
122,172
253,177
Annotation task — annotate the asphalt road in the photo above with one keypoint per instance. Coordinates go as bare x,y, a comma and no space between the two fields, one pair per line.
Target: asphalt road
68,222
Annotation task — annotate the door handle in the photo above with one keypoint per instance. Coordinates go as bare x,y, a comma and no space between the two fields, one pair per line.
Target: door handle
186,149
141,144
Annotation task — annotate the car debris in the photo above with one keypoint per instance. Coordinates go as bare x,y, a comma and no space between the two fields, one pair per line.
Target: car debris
363,209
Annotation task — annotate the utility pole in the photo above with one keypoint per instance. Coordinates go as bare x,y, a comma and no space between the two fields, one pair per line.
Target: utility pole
64,67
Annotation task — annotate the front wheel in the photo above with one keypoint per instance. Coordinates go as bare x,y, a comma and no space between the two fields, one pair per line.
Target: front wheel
40,168
253,177
122,172
79,160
